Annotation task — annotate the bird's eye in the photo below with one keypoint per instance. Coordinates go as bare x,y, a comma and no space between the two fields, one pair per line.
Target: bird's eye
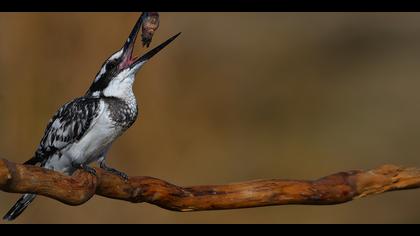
111,65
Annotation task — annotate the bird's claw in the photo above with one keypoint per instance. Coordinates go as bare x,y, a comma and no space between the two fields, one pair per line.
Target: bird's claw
119,173
114,171
122,175
86,168
90,170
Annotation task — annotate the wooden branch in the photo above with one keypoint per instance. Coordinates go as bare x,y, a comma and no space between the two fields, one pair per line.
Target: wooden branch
79,188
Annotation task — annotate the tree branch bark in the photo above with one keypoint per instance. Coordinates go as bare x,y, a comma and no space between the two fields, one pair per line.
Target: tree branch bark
79,188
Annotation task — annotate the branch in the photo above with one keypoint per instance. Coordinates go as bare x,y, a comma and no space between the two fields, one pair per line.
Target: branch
79,188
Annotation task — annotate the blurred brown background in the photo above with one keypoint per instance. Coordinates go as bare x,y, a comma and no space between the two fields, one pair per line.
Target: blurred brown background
237,96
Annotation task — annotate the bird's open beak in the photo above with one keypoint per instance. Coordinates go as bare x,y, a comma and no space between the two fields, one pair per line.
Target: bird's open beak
127,58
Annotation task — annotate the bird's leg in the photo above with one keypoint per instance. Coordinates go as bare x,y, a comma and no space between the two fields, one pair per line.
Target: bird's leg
112,170
103,166
85,168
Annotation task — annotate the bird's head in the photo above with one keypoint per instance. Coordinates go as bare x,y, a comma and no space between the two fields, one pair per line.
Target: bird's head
118,72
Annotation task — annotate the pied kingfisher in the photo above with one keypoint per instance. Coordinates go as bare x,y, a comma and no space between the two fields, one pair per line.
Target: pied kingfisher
82,131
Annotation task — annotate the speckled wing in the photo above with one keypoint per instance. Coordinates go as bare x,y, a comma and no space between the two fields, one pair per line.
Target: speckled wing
68,125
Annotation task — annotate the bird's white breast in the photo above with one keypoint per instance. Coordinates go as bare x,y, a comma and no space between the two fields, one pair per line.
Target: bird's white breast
91,146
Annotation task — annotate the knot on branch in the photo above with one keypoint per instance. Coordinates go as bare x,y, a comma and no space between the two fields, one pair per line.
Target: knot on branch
71,190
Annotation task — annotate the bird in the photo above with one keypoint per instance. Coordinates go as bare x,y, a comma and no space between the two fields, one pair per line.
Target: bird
82,131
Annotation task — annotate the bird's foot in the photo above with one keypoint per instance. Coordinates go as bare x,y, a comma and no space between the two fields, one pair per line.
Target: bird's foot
85,168
114,171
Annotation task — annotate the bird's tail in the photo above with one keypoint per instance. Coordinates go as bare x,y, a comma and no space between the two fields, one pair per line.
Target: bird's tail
19,206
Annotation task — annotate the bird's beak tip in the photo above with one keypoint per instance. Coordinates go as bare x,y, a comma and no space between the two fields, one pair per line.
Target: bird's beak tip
128,60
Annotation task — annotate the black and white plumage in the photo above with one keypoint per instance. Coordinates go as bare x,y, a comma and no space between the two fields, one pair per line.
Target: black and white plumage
82,131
